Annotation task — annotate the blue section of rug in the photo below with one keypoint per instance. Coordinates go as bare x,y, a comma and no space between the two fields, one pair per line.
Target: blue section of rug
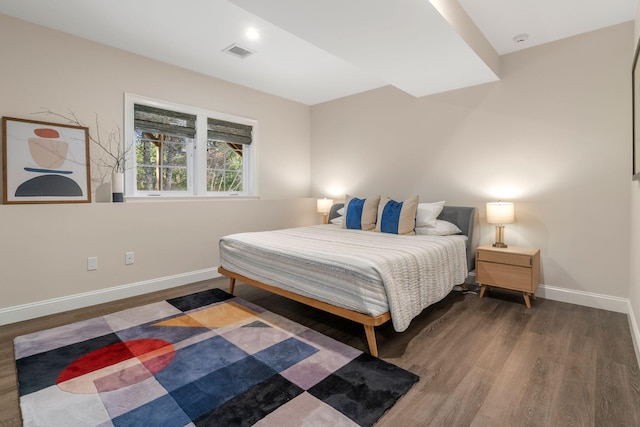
203,359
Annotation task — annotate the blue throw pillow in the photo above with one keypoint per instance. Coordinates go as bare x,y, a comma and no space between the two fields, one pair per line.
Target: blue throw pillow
397,217
360,214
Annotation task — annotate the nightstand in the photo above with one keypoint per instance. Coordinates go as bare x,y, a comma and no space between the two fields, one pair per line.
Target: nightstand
513,268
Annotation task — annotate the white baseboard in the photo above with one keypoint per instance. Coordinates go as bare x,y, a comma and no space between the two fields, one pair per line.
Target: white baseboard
635,332
57,305
588,299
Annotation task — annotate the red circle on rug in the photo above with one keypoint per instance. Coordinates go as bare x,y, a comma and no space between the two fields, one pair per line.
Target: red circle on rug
138,359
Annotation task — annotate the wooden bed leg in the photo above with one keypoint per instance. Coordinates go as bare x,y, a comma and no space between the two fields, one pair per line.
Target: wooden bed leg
371,340
232,284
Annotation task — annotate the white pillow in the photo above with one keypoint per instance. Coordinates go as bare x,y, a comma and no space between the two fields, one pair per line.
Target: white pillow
338,220
427,214
442,228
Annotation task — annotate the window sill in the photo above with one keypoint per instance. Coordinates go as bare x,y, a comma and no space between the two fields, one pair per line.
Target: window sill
145,199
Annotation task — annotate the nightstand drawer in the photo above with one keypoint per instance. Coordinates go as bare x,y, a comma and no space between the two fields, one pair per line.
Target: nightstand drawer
504,258
506,276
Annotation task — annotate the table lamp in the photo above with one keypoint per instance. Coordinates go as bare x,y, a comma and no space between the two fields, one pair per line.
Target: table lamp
324,207
500,213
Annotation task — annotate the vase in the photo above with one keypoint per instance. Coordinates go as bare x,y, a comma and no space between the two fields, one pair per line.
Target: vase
117,187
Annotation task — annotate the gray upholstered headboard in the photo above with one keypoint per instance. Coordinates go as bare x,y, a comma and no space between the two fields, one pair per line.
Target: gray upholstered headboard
462,216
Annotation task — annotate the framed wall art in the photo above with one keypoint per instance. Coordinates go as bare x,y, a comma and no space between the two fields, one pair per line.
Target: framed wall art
44,162
635,94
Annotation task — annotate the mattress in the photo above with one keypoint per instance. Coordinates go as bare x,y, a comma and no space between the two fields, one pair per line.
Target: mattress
364,271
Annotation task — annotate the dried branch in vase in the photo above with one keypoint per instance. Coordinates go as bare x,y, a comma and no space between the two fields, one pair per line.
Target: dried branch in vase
116,152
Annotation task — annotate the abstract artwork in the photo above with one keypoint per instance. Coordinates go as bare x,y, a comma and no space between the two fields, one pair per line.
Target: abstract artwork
44,162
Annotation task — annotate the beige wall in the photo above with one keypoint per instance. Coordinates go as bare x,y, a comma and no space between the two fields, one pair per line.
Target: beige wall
44,248
553,135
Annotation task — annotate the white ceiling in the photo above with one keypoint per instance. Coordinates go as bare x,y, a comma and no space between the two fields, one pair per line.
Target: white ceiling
316,51
543,20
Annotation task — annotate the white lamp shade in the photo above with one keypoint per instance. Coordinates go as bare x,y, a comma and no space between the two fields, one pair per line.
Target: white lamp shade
500,213
324,205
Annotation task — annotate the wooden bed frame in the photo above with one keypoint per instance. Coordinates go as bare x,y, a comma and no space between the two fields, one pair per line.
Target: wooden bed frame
369,322
463,217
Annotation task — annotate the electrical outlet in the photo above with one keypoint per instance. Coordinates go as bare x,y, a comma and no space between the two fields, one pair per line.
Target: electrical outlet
128,258
92,263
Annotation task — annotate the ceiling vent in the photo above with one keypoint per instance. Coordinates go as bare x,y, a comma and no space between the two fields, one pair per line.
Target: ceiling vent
237,50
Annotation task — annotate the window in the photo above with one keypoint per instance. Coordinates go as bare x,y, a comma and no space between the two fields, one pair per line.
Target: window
164,143
184,151
225,151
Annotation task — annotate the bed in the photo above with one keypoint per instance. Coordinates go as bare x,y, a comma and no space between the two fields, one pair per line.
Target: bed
365,276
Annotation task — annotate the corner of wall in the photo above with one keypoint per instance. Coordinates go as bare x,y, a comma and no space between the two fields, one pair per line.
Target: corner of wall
635,331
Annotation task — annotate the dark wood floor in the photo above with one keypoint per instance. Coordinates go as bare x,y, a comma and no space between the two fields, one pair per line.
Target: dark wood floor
482,362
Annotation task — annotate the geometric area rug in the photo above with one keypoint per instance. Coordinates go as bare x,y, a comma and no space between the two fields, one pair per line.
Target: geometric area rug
206,359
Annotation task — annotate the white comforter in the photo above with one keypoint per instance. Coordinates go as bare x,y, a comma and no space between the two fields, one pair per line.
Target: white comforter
364,271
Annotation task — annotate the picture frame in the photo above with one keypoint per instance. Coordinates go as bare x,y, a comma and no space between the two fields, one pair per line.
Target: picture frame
635,94
44,162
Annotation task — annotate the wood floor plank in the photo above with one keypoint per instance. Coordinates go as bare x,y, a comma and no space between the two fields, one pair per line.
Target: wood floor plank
614,403
459,408
503,334
505,396
573,402
482,362
539,394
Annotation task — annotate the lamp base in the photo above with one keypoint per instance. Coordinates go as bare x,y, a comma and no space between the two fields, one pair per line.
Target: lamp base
499,237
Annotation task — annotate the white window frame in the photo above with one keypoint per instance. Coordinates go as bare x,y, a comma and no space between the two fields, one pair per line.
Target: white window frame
196,152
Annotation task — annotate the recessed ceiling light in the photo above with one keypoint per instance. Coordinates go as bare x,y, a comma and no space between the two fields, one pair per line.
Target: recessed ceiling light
252,34
521,38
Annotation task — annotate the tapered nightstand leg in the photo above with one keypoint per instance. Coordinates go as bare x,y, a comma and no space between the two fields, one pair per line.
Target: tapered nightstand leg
482,289
526,299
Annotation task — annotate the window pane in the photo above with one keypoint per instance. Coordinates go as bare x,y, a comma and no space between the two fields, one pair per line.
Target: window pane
174,154
161,162
147,178
234,181
224,166
215,180
215,155
219,180
174,179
